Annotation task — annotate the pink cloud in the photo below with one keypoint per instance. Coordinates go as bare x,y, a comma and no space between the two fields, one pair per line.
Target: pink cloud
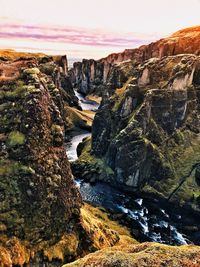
72,35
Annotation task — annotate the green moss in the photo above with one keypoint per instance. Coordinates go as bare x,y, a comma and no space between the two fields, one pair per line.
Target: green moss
12,94
56,130
11,218
16,138
179,154
32,71
4,106
31,89
51,86
26,170
9,167
196,195
97,164
117,104
19,90
163,84
47,68
19,83
85,154
179,136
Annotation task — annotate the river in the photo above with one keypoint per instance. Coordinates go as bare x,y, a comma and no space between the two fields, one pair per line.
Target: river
149,219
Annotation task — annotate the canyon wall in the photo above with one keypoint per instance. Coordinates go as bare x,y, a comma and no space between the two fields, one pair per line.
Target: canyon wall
43,221
38,197
145,135
96,77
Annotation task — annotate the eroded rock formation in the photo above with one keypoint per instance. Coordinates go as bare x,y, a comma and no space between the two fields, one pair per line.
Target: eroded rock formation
98,77
145,136
42,218
38,197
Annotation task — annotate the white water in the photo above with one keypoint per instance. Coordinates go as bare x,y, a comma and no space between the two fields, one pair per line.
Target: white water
104,195
78,137
72,145
150,219
86,104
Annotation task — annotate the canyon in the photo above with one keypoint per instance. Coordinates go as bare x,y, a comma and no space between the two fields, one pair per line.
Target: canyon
144,141
145,133
42,217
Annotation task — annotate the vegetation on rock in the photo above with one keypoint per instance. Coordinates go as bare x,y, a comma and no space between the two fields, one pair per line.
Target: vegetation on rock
147,132
38,197
15,138
145,138
41,219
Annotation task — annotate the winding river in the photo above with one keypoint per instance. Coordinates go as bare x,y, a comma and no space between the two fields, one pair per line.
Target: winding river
149,219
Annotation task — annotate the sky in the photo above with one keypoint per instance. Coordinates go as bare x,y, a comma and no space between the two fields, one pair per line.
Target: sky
91,28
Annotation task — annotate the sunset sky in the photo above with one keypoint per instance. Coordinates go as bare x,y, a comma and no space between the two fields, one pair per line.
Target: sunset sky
91,28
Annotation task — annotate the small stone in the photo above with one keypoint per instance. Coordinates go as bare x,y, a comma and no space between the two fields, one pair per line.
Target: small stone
29,192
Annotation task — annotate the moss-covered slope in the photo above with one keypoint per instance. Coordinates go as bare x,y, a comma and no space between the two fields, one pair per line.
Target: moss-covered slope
38,197
145,137
41,219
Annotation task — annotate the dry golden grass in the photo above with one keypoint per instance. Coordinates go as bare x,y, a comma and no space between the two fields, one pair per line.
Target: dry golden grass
94,98
98,229
13,55
142,255
103,231
80,119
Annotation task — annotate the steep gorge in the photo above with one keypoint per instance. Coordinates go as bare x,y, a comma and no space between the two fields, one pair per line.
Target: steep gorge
145,136
42,217
99,76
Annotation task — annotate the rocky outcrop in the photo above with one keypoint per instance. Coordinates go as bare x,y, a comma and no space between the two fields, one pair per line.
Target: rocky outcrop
91,77
42,218
38,197
145,137
54,67
98,77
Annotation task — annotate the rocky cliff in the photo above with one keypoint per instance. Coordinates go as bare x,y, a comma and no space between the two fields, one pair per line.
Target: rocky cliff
43,221
145,136
96,77
38,197
55,67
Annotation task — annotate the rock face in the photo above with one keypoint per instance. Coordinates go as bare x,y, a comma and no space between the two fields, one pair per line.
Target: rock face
90,76
96,77
54,67
43,221
146,136
38,197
